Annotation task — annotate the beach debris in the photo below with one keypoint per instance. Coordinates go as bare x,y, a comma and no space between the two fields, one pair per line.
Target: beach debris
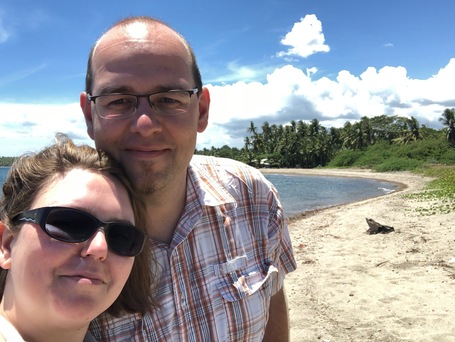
377,228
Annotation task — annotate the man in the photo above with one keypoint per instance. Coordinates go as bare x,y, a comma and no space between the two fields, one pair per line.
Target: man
216,226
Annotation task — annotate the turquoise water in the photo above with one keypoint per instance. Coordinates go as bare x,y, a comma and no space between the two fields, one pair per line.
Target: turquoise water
303,193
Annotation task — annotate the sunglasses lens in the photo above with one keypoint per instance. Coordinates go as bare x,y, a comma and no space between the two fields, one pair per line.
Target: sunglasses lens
73,225
70,225
125,240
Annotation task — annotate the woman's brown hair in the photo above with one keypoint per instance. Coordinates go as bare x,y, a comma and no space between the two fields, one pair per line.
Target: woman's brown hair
32,173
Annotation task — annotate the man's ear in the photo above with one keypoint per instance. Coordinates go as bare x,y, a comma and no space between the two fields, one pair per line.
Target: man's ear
88,115
204,105
6,239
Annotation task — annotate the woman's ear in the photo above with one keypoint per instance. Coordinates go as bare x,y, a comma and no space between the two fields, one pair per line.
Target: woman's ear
6,238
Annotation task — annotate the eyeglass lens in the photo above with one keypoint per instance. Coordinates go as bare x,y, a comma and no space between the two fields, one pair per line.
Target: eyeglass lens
121,105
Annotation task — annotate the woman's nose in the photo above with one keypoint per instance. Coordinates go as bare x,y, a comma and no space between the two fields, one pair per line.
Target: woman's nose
96,246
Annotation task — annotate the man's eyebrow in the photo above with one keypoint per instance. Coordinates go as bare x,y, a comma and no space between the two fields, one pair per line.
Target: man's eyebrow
109,89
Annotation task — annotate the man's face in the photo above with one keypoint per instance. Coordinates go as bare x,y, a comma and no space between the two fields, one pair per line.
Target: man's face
154,149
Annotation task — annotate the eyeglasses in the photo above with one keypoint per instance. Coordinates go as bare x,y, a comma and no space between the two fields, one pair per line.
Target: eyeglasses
123,106
74,225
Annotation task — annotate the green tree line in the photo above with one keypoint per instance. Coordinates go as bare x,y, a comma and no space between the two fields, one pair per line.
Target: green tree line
383,142
387,142
6,161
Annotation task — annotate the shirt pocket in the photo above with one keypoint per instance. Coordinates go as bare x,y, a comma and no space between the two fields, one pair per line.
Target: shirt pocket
240,281
125,328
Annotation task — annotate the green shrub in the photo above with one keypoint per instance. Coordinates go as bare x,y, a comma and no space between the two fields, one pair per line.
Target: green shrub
375,155
448,157
345,158
398,164
370,160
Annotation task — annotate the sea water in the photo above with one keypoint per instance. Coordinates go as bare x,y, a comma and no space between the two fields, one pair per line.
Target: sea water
3,173
304,193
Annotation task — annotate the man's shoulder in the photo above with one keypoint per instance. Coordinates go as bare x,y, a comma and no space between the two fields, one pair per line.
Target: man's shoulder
228,174
223,165
209,161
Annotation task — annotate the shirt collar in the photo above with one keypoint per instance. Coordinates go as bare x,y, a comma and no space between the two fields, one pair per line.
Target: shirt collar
209,182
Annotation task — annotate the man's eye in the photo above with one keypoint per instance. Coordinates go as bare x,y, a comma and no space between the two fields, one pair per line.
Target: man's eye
121,101
117,101
167,100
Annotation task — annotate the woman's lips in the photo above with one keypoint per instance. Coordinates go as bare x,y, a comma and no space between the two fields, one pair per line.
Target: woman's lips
85,278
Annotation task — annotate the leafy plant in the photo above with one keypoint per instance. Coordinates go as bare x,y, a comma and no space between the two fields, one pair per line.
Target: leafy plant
439,195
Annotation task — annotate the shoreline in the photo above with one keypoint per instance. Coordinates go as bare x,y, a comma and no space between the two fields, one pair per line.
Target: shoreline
347,173
351,286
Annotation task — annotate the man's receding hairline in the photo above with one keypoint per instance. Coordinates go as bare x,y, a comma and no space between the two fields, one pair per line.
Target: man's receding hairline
120,29
150,23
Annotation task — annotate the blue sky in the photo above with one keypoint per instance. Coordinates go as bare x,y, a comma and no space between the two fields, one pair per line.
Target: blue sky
268,60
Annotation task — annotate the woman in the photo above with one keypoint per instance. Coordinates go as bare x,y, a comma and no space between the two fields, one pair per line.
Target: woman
68,245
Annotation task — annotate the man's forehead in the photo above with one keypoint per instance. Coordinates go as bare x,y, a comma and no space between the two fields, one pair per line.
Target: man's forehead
136,30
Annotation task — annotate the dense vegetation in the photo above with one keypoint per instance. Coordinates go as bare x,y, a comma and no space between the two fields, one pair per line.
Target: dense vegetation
6,161
383,143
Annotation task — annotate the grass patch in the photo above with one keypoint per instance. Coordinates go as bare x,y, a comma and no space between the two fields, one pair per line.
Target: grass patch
439,193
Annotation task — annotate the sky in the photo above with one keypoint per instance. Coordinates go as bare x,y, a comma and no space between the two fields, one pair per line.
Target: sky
264,60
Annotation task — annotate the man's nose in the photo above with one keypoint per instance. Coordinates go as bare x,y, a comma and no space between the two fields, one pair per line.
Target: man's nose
145,120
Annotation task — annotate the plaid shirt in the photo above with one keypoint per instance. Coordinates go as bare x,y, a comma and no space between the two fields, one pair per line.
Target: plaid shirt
229,254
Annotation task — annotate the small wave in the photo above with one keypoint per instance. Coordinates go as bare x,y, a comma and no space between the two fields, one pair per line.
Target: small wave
387,191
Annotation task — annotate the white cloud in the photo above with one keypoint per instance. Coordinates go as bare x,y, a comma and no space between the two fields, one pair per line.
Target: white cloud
311,71
27,128
305,39
237,72
292,94
289,93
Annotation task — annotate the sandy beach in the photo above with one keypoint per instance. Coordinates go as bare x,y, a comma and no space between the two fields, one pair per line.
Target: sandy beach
352,286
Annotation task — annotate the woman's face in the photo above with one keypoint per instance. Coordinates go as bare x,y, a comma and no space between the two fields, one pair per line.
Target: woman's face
66,284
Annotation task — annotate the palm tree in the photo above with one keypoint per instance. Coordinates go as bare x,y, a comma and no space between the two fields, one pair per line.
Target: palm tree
448,119
410,131
256,139
414,128
267,137
358,136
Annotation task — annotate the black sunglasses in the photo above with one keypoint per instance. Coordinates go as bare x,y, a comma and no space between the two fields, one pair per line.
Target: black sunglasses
74,225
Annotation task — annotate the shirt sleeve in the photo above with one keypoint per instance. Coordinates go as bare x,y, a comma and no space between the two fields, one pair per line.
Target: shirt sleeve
279,239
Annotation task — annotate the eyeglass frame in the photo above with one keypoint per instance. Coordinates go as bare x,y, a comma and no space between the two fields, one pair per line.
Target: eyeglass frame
92,98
